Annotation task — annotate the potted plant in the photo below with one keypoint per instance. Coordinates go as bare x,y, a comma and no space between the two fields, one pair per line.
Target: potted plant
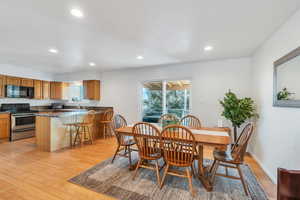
237,110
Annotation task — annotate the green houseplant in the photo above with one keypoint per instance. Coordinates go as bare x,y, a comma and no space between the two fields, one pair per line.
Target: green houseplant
237,110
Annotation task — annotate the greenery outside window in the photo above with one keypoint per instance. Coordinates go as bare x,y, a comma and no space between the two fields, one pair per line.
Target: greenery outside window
162,97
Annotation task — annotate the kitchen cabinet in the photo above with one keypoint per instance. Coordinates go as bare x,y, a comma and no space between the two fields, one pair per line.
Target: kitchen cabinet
10,80
2,86
91,89
38,89
59,90
46,89
27,82
4,125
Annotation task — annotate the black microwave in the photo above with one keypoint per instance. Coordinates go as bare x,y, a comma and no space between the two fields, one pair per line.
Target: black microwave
12,91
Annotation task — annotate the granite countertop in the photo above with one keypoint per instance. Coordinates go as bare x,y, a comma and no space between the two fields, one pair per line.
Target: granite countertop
4,112
74,112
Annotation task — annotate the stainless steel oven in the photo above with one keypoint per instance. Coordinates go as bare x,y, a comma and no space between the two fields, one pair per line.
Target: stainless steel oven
22,126
22,120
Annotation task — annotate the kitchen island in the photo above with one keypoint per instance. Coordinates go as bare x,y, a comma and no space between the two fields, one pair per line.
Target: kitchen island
53,135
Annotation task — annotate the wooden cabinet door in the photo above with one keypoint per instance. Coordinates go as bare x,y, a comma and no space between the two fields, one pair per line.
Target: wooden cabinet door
27,82
46,90
56,90
2,86
4,126
10,80
91,89
38,89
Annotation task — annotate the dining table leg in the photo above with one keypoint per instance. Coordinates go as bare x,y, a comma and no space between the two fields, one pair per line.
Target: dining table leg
203,175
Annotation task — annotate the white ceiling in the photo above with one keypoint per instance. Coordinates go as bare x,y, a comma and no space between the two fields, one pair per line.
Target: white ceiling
114,32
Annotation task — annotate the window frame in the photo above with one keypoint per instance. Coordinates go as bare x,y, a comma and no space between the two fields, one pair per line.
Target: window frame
141,86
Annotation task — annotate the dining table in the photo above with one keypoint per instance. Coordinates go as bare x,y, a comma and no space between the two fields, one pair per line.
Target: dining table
217,137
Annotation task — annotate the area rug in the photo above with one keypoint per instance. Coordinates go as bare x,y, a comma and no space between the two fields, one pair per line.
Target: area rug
115,180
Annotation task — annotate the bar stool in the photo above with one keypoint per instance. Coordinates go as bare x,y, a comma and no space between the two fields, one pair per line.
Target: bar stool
106,121
83,129
70,121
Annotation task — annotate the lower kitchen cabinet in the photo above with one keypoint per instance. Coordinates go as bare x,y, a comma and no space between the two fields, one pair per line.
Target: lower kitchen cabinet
4,125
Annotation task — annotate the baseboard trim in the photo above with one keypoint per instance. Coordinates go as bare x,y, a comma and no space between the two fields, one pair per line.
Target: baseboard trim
272,178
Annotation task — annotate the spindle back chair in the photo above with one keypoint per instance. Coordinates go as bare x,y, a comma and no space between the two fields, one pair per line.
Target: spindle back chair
190,121
147,138
179,147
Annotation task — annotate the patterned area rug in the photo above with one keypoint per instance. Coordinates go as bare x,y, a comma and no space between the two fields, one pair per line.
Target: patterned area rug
116,180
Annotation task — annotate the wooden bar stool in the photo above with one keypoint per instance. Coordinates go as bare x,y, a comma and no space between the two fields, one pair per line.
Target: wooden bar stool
70,121
106,121
84,129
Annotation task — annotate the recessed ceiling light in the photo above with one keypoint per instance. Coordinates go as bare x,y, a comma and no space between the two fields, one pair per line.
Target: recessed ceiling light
92,64
208,48
140,57
77,13
53,50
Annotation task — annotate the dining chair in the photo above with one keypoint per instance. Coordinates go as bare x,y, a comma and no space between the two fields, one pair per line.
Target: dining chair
288,184
124,142
234,158
190,121
170,117
84,128
179,147
147,138
106,121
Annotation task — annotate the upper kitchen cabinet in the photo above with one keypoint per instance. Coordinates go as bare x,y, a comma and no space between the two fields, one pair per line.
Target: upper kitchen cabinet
25,82
38,89
91,89
59,90
10,80
46,89
2,86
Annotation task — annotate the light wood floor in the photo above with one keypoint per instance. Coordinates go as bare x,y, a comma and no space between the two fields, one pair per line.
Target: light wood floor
29,174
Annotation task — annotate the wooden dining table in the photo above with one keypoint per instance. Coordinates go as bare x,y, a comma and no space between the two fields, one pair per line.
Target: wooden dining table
205,136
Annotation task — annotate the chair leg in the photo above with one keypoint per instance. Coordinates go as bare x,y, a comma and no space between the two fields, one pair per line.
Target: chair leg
212,166
117,150
104,131
90,135
129,155
243,180
164,176
76,135
214,171
190,181
193,169
157,173
136,169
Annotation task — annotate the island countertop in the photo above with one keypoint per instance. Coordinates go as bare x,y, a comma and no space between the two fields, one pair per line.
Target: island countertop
66,113
51,132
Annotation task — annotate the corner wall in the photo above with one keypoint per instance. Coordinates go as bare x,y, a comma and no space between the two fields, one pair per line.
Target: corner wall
276,141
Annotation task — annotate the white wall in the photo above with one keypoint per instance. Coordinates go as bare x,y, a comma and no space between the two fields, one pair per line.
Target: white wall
210,80
276,141
21,71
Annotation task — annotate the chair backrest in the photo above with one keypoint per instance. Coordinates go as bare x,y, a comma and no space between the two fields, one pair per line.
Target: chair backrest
147,138
170,117
178,144
288,184
89,117
239,149
118,122
190,121
107,115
